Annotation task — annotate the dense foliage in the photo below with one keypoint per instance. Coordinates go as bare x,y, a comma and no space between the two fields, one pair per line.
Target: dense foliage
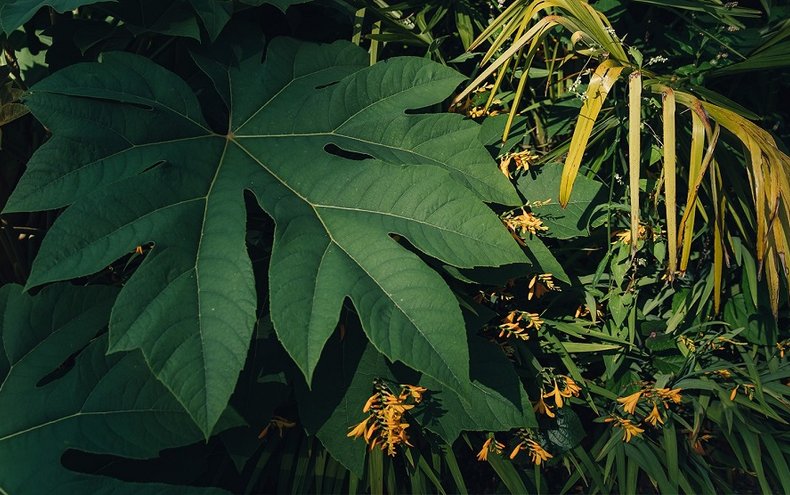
260,246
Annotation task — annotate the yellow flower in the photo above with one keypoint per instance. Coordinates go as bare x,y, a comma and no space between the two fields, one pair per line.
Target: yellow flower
373,399
490,445
504,166
511,326
540,407
540,285
630,430
534,320
726,374
556,394
734,392
624,236
523,160
358,430
690,345
412,391
384,425
571,387
629,403
519,447
654,416
667,394
536,453
525,222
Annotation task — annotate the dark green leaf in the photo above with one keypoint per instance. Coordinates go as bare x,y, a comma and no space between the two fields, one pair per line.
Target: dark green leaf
14,13
563,223
297,122
101,405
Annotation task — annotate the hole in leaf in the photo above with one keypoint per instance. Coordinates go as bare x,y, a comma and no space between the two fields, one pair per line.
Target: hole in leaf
333,149
423,110
110,101
61,370
196,464
322,86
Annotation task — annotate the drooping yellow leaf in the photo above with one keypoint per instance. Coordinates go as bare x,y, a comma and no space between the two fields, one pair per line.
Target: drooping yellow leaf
670,187
601,82
695,164
634,150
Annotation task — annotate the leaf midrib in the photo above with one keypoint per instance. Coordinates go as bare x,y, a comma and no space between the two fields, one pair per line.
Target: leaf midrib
329,234
87,414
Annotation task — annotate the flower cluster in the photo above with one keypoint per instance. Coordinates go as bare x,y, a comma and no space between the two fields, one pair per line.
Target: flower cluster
624,236
650,397
468,108
782,347
537,453
563,389
541,284
385,425
630,430
522,159
490,445
525,223
516,324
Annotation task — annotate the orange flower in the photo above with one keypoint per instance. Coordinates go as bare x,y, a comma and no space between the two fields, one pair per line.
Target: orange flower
373,399
358,430
536,453
519,447
654,416
571,387
490,445
525,222
630,430
556,394
384,425
629,403
667,394
412,391
540,407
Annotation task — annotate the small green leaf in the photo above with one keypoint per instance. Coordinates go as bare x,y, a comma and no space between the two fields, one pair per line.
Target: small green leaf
563,432
568,222
496,402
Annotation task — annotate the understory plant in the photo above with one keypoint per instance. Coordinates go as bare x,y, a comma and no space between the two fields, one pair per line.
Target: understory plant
270,246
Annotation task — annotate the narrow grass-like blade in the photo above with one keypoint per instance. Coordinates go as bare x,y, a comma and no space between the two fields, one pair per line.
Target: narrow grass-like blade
634,149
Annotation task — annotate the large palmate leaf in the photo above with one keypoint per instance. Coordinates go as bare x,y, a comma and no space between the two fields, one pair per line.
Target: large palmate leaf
296,123
101,405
